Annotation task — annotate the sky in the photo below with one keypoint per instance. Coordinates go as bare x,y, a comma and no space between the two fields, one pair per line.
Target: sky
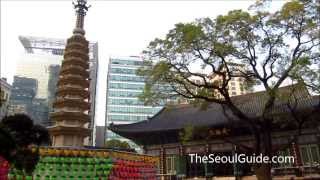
121,28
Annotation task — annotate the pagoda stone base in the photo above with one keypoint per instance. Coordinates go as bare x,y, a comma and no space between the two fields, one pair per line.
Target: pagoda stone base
67,140
63,136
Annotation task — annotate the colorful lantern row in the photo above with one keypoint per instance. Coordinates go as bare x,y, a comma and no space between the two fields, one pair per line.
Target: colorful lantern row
60,164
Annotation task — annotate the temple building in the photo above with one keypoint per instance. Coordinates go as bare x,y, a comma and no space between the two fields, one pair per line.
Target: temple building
72,101
175,132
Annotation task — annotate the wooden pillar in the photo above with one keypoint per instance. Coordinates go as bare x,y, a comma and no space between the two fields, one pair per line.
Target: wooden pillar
207,148
181,150
297,159
180,160
163,168
236,165
181,164
296,153
208,171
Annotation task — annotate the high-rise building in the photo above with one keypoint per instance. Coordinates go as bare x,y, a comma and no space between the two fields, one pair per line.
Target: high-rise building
5,91
17,109
35,61
24,89
123,89
22,99
237,85
42,60
71,106
39,111
52,84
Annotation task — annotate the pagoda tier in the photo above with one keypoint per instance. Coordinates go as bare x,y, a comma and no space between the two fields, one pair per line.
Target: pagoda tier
71,117
73,91
73,80
70,130
76,61
74,69
71,105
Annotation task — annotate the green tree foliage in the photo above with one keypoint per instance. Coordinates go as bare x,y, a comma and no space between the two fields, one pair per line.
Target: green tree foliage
187,134
271,48
18,135
117,144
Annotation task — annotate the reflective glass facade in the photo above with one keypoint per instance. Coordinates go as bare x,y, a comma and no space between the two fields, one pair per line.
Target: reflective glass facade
123,89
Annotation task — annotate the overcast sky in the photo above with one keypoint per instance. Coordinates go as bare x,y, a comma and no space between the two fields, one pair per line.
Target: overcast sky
121,28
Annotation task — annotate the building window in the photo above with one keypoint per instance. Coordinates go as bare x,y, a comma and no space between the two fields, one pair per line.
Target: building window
57,52
234,93
2,95
126,62
310,154
123,71
126,86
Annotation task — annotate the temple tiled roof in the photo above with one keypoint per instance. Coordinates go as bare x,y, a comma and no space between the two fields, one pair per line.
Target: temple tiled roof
180,116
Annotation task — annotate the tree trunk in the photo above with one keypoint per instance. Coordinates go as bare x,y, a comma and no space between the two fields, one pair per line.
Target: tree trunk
263,172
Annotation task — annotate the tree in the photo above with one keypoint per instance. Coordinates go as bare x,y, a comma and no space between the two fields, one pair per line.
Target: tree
119,145
273,47
18,135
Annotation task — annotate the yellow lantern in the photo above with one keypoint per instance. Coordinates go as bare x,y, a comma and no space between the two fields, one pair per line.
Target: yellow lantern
83,152
58,152
75,152
106,154
91,153
50,152
99,154
67,152
43,152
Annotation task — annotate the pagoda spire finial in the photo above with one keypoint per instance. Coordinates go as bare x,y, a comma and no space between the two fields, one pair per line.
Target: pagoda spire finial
81,8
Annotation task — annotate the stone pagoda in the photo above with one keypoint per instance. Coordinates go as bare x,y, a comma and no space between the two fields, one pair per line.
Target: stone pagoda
71,105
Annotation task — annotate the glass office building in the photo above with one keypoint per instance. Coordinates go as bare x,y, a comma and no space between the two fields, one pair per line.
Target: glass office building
23,100
123,89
